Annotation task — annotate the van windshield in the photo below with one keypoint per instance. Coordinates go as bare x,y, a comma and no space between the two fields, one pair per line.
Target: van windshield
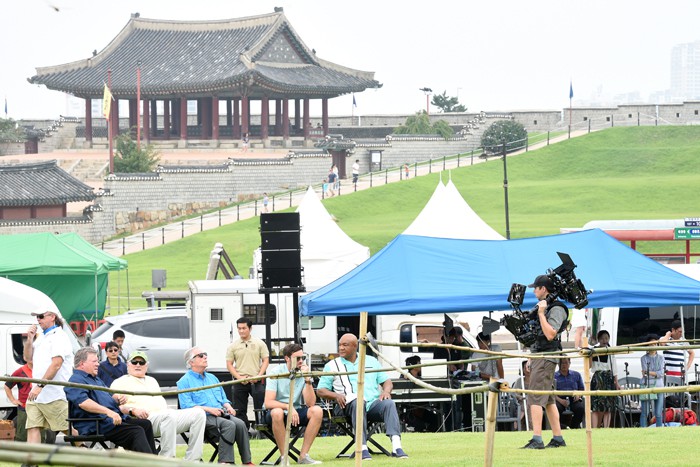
636,323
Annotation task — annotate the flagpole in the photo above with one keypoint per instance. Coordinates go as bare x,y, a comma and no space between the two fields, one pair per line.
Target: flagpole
109,124
571,96
352,115
138,105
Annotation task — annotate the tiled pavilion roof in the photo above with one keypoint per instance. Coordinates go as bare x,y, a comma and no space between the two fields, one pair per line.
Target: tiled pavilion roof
40,184
254,56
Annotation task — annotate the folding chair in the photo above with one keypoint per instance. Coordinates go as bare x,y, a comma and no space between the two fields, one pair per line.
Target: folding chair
266,430
344,425
211,437
90,440
508,413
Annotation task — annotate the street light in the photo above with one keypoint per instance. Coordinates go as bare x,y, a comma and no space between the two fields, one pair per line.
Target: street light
505,188
427,92
138,105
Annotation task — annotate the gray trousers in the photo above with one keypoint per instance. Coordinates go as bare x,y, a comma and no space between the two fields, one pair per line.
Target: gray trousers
381,411
231,430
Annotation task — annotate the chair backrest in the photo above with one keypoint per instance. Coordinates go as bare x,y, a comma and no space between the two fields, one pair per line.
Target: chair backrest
629,382
507,405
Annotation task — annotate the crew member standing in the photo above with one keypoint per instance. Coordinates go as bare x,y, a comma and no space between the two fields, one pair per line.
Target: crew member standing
245,358
552,315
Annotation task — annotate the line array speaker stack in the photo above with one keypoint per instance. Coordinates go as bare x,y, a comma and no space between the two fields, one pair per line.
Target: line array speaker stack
280,246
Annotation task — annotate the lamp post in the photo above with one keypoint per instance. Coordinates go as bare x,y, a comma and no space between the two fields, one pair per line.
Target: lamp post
505,188
427,92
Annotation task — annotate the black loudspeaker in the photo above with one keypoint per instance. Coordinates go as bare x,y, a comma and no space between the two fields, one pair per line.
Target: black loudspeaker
287,240
280,221
280,246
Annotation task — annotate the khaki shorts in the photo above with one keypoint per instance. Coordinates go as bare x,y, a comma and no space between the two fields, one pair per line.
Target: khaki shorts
542,379
52,415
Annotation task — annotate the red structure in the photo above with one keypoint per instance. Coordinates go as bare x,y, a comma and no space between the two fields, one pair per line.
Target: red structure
227,67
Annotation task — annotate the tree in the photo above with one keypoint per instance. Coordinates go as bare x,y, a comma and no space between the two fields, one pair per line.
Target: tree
10,132
447,104
131,159
508,131
419,124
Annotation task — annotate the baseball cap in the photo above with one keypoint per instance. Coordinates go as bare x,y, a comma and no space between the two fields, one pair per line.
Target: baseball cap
55,312
543,281
138,354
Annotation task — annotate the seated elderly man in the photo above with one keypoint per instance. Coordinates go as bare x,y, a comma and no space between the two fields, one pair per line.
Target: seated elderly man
277,402
130,433
377,393
167,423
219,412
569,380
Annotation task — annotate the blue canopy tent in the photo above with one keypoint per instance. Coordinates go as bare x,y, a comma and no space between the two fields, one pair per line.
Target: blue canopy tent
415,274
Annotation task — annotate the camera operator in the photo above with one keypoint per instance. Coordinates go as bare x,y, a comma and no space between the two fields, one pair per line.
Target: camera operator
552,316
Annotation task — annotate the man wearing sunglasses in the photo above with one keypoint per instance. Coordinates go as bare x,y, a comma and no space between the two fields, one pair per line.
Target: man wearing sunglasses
305,411
219,412
167,423
52,355
112,367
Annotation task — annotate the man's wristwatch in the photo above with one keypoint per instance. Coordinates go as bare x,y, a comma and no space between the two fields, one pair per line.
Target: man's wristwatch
308,381
131,412
41,386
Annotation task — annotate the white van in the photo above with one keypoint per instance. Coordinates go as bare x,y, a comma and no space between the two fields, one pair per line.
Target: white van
17,302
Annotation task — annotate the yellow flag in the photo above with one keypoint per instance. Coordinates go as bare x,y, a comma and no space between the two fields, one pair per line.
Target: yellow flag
106,102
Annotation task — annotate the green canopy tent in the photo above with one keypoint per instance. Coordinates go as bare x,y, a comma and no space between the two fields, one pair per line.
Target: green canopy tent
73,276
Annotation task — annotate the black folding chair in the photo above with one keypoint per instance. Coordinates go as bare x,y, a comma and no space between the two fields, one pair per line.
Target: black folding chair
266,431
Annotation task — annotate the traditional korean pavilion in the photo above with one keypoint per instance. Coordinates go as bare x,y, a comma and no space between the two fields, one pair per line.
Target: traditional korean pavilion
235,61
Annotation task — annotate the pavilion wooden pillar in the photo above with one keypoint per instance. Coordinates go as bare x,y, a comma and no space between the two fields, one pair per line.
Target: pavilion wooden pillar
175,117
166,118
88,121
114,118
154,117
183,119
206,117
146,121
324,115
307,119
215,118
245,115
229,113
285,119
297,114
236,119
265,118
278,117
132,118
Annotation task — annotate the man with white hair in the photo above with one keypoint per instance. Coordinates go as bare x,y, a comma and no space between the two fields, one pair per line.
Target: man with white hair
220,414
52,355
167,423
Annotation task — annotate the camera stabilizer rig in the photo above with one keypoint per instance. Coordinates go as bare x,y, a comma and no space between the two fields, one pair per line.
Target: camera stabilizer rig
525,326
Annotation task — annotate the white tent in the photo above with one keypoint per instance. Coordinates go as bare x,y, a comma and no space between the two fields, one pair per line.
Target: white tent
18,301
447,215
326,251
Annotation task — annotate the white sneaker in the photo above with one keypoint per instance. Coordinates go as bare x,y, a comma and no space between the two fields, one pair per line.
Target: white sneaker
308,460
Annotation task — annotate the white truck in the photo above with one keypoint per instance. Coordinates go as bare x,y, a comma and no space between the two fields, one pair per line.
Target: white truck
17,302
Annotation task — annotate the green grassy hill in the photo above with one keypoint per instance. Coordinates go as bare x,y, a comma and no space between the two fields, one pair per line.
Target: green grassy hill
619,173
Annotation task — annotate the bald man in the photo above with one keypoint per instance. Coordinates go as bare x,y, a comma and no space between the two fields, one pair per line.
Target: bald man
342,389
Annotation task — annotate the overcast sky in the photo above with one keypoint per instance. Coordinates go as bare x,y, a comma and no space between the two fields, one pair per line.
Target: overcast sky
493,54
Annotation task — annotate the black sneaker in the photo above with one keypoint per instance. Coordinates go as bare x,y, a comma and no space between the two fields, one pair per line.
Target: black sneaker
532,444
556,444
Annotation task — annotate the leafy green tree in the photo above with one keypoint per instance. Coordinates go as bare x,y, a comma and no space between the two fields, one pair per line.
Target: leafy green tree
447,104
419,124
131,159
10,132
508,131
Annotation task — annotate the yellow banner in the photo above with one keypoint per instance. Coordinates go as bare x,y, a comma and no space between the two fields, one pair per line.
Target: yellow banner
106,102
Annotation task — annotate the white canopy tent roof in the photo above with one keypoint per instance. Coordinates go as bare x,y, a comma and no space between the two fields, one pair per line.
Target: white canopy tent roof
447,215
18,301
326,251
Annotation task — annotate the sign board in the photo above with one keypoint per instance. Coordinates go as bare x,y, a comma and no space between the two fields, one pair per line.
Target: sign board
692,222
682,233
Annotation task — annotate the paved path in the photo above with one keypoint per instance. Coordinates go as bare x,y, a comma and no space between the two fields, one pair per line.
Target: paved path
152,238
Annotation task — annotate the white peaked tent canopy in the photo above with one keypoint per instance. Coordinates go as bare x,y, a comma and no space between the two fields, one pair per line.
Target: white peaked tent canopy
326,251
20,300
447,215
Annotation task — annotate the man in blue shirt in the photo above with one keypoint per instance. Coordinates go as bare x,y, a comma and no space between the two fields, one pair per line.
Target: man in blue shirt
220,413
277,398
377,393
569,380
130,433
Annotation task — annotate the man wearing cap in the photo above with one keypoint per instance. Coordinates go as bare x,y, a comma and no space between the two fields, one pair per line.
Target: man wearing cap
552,315
221,416
167,423
52,355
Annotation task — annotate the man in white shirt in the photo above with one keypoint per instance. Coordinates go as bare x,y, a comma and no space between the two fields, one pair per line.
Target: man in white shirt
355,171
167,423
52,355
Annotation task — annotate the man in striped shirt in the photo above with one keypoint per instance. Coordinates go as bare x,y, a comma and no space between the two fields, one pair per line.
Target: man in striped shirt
675,356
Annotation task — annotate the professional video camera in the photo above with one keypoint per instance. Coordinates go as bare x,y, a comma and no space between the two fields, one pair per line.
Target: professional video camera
525,326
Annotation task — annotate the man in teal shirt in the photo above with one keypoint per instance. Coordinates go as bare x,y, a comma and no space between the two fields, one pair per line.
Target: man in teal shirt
377,393
305,411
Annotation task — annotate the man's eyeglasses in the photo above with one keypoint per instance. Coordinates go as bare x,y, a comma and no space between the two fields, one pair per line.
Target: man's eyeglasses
138,362
39,316
113,349
200,355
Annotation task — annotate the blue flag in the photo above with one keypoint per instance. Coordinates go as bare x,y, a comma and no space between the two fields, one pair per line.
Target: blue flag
354,104
5,106
571,90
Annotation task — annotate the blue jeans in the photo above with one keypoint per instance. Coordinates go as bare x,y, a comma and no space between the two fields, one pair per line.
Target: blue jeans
658,411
